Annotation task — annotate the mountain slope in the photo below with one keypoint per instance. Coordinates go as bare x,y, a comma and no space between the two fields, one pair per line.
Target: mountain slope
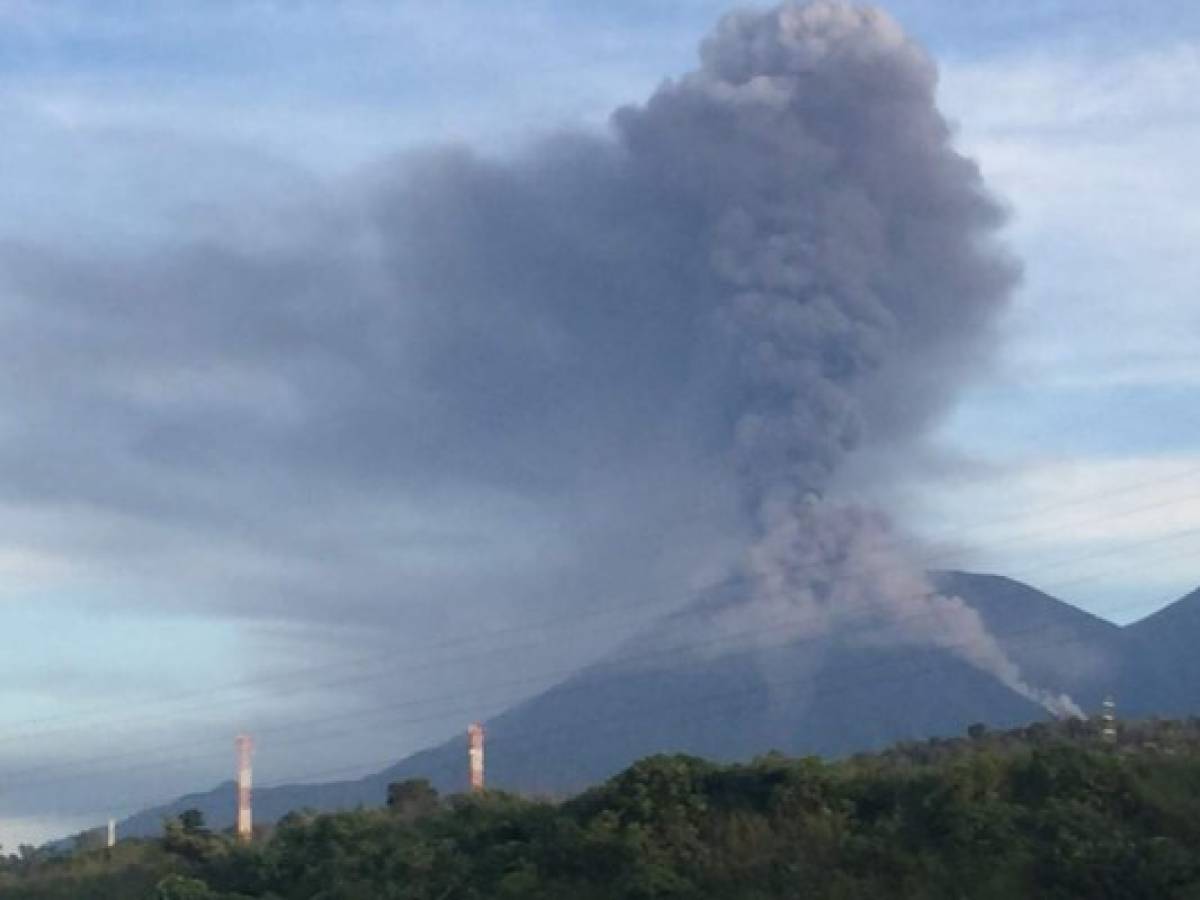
593,725
1057,646
1166,641
731,700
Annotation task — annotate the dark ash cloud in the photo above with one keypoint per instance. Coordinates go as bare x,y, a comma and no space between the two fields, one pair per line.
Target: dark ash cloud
467,390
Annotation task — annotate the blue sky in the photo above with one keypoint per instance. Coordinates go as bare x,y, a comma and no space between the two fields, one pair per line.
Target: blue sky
132,133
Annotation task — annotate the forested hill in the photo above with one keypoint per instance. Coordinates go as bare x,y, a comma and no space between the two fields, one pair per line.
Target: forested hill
1050,811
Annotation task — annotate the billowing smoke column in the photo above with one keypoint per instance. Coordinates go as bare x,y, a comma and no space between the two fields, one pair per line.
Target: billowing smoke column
844,234
847,240
782,246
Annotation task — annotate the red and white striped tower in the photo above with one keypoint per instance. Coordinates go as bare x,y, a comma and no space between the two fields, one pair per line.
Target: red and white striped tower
475,755
245,822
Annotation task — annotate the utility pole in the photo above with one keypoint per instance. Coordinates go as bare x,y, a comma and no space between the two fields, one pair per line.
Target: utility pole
475,756
245,821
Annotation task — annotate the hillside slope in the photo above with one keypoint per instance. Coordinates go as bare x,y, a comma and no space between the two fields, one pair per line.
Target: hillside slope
1056,645
1051,810
1167,642
733,700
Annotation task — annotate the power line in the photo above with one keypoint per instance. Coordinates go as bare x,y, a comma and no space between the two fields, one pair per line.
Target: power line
886,671
308,724
384,655
1058,527
1128,488
383,710
566,620
525,681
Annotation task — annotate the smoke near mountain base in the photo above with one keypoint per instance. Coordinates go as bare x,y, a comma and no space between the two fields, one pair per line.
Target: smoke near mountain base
838,569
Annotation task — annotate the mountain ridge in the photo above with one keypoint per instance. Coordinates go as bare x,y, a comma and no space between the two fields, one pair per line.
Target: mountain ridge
829,698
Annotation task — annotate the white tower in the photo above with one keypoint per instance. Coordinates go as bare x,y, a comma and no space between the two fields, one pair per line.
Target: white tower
1108,720
245,820
475,756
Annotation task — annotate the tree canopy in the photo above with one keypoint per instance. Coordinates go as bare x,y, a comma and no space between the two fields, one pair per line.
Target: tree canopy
1052,811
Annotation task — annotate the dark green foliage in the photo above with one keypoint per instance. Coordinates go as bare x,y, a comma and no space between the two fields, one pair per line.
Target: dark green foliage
188,838
412,799
192,822
92,839
180,887
1050,811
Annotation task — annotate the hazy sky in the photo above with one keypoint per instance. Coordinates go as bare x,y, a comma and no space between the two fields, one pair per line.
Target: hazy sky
234,497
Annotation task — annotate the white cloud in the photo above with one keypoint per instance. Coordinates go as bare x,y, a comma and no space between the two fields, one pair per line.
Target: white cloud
1096,155
30,565
35,830
1118,536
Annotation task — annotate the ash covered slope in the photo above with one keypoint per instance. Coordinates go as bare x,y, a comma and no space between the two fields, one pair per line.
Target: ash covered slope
692,685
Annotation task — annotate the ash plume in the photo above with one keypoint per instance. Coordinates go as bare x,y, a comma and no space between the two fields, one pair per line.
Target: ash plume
851,268
780,255
455,384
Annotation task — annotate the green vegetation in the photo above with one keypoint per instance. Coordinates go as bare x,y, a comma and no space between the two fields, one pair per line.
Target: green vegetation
1049,811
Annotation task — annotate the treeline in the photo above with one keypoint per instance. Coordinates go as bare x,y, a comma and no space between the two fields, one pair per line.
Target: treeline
1050,811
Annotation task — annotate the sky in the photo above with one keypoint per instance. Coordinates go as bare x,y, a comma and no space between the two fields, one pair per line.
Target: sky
231,503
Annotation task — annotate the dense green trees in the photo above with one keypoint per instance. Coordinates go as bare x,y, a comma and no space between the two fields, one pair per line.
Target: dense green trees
412,799
1050,811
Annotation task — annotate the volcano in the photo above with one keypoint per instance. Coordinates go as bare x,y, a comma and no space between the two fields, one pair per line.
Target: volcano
687,685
